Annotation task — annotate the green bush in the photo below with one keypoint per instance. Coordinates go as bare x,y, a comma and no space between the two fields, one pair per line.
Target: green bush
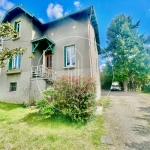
70,96
146,88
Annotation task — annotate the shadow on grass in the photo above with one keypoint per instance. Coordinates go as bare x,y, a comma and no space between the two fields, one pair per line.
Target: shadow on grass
145,109
142,130
145,145
35,119
9,106
145,118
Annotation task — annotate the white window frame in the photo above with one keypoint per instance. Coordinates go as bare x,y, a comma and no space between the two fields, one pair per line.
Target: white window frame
15,62
17,27
18,24
71,60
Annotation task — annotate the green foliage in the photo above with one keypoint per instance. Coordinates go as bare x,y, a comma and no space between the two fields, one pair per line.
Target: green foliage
126,47
70,96
106,77
146,88
7,30
56,133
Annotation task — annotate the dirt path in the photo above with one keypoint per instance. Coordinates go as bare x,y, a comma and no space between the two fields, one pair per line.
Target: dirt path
128,121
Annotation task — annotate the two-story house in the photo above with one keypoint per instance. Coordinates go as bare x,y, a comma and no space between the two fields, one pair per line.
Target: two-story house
67,45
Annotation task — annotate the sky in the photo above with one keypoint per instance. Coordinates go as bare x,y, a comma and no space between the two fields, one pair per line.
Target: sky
106,10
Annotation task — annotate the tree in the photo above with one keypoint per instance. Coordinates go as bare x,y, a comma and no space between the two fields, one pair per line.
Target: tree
7,31
106,77
126,48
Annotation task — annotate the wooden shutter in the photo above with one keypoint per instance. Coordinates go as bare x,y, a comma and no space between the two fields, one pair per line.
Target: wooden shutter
65,57
10,64
15,25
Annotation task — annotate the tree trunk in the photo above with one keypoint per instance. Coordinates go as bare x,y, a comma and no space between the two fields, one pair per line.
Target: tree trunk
125,86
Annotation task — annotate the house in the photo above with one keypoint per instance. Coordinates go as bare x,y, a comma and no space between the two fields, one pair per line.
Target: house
62,46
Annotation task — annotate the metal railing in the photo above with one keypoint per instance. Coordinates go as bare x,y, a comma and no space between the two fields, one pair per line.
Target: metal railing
43,72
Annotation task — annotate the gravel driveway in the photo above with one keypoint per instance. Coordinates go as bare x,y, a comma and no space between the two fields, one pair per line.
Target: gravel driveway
127,120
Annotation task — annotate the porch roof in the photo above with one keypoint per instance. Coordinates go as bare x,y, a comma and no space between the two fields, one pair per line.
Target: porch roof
36,42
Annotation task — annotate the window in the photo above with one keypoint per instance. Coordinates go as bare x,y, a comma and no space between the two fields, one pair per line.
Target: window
14,63
69,54
17,27
13,86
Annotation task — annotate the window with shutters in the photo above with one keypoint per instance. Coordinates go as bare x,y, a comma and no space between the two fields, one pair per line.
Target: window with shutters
17,27
69,56
14,63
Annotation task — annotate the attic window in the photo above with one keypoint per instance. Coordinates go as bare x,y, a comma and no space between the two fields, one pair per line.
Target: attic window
17,27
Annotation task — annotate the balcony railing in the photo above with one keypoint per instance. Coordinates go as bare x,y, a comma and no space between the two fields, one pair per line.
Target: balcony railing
43,72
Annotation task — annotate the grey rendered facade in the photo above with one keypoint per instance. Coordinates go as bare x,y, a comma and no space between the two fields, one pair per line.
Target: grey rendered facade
79,30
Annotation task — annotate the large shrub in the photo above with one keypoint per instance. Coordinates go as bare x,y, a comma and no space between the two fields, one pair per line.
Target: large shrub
70,96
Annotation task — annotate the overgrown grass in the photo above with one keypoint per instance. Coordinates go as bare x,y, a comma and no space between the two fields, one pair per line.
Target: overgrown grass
105,101
23,128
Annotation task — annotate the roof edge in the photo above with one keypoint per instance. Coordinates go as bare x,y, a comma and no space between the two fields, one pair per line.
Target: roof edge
17,6
69,15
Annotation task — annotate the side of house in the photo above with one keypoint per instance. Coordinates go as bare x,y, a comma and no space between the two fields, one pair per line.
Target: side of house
63,46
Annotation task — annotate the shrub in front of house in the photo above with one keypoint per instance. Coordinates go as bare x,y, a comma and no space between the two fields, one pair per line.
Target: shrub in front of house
70,96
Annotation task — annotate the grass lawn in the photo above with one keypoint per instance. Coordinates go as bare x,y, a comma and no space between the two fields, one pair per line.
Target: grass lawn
22,128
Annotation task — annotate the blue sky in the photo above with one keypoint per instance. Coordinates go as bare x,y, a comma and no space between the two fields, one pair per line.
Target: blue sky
106,10
48,10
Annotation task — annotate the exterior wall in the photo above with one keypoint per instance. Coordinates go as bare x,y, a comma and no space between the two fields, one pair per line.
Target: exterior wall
22,79
72,31
38,60
94,59
36,33
37,86
23,88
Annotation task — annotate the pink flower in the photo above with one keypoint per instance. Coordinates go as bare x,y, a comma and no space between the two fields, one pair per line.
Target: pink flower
48,96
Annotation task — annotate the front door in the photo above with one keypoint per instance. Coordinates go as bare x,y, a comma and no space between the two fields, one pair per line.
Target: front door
48,61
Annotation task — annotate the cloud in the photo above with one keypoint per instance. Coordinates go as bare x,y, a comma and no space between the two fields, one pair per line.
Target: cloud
77,4
6,5
102,67
2,13
54,11
66,13
41,20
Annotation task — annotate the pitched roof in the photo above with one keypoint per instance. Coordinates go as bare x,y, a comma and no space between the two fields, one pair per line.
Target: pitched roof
89,11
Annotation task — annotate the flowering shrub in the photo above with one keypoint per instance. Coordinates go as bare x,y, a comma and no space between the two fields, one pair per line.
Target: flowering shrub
71,96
